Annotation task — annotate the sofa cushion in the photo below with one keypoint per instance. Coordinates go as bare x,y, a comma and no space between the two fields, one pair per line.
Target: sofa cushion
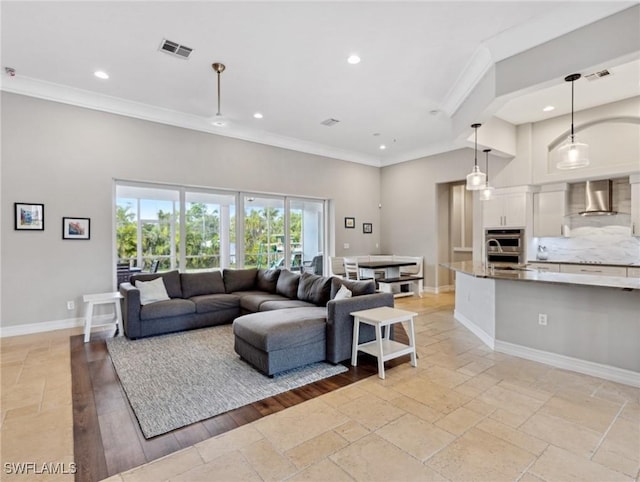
357,288
288,284
152,291
196,284
314,289
166,309
285,304
239,279
171,281
270,331
267,280
217,302
252,300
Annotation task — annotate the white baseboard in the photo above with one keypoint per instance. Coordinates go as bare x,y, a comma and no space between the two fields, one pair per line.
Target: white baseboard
599,370
44,326
485,337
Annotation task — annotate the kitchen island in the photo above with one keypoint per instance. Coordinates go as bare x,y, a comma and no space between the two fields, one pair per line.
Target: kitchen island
585,323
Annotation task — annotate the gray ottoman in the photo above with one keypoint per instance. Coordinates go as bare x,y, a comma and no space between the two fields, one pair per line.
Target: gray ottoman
274,341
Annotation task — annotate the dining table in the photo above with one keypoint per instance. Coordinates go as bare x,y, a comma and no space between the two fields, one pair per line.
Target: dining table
391,269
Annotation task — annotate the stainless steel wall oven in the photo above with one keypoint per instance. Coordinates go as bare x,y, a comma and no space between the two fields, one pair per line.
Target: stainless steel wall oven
504,246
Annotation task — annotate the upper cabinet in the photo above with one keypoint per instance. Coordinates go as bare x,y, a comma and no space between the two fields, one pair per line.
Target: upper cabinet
549,210
505,210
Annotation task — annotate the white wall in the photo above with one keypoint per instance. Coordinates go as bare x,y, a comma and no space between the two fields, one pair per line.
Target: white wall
614,148
66,157
410,210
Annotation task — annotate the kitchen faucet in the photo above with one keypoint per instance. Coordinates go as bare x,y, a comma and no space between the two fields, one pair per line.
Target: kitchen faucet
497,243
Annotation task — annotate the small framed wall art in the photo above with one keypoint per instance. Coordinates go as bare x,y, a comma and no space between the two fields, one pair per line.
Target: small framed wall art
29,217
76,228
367,228
350,223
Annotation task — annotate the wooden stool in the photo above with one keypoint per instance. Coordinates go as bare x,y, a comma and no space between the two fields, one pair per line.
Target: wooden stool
101,299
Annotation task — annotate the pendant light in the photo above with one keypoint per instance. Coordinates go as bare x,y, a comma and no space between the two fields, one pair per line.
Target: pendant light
572,154
476,179
219,120
487,191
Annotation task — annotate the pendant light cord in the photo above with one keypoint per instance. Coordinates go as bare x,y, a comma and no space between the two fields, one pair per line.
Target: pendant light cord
219,96
572,134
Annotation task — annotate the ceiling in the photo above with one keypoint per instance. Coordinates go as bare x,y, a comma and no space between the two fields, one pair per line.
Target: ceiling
288,61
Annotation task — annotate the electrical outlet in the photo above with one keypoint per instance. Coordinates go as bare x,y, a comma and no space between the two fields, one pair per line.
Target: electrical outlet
71,305
346,245
542,319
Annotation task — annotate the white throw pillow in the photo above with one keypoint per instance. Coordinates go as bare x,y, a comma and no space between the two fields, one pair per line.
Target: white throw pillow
152,291
343,293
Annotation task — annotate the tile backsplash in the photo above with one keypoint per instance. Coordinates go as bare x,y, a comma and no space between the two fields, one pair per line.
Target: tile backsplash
606,244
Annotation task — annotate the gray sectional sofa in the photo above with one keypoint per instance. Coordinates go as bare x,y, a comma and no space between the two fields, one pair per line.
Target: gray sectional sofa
283,319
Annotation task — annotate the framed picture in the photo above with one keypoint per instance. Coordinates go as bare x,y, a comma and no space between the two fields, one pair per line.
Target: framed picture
29,217
76,228
367,228
350,223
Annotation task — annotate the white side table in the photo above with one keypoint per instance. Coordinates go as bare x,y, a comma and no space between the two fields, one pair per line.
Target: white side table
101,299
383,347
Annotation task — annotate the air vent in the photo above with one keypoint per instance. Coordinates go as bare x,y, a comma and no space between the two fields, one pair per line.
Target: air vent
329,122
597,75
175,48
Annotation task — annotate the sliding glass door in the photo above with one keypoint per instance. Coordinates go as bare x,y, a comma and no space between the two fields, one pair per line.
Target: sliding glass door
172,227
306,229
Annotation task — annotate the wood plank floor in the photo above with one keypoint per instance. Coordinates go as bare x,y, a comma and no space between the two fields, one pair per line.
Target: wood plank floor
106,434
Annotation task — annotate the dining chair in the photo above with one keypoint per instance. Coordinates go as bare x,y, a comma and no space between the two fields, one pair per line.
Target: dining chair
351,269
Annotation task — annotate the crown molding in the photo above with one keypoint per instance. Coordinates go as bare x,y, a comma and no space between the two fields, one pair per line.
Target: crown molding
89,100
471,75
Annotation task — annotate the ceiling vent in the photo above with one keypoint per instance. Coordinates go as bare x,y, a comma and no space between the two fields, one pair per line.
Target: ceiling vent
175,48
329,122
597,75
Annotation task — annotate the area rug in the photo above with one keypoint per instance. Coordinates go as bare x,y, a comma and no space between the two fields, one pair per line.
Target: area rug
179,379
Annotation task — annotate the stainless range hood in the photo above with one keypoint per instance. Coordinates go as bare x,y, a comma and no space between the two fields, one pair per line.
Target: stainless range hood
598,199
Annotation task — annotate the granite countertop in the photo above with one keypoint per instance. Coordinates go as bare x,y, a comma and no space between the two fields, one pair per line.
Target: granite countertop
521,273
623,265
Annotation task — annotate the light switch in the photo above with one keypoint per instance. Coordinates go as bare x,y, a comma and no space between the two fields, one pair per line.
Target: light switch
346,245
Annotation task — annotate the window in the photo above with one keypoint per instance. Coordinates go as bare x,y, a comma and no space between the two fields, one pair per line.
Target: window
200,229
209,237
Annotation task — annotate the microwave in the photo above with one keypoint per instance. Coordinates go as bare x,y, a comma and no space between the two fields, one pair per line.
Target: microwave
504,246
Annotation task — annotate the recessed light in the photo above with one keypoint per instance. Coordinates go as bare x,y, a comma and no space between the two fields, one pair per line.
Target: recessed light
548,108
353,59
258,115
101,74
382,147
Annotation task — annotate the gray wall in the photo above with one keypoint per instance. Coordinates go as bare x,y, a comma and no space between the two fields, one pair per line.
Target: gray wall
67,157
586,322
411,210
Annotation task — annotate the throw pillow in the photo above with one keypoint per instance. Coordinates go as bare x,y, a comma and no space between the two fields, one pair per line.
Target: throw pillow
171,281
267,280
314,289
343,293
152,291
357,288
288,284
196,284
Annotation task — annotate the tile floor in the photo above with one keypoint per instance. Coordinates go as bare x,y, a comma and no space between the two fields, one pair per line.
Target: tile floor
466,413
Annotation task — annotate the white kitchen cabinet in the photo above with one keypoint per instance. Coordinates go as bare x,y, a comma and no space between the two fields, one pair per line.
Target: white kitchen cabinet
633,272
635,209
546,267
505,211
591,269
549,209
